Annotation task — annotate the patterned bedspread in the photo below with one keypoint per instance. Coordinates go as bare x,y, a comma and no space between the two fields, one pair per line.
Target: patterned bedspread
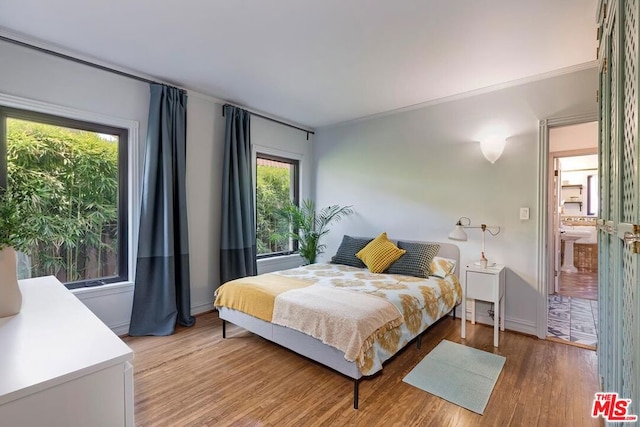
420,301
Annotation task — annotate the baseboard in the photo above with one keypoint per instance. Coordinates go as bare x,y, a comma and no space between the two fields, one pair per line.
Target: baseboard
121,329
201,308
510,323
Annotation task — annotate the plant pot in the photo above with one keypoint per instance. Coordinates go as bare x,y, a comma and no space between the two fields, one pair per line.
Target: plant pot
10,295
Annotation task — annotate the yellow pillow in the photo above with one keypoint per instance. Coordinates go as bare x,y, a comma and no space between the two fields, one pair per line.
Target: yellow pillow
380,253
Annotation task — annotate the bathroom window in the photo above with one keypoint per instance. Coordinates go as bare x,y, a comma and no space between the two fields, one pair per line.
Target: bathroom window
592,195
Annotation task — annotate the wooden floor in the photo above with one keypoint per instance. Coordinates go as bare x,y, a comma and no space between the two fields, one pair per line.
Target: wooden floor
195,378
579,284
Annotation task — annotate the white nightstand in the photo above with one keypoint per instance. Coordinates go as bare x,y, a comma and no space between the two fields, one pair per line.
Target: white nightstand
485,284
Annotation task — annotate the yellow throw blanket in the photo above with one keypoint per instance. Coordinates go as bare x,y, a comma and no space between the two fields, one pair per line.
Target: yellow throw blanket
255,295
348,321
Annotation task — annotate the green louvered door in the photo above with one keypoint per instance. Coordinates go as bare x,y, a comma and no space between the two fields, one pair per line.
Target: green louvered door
619,153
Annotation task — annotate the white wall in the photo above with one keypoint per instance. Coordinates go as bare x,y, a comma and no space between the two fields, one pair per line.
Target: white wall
573,137
577,163
414,173
205,139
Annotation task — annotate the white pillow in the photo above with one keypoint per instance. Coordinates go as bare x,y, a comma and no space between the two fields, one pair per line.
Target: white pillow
440,267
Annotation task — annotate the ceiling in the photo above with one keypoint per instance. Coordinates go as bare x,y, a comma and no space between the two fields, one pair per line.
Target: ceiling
318,63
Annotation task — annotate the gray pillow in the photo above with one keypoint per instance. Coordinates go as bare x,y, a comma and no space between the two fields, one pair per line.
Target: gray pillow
347,251
416,261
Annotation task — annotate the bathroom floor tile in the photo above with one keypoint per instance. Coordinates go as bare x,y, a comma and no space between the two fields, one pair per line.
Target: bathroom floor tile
573,319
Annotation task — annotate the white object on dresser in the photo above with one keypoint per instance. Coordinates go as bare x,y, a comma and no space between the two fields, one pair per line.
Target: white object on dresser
485,284
60,365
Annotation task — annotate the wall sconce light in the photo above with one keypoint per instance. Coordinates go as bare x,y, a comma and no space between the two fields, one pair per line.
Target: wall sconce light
492,147
458,232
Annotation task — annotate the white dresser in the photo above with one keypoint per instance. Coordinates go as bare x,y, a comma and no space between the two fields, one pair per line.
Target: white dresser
60,366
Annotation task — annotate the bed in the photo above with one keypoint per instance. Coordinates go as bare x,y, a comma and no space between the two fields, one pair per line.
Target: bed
345,317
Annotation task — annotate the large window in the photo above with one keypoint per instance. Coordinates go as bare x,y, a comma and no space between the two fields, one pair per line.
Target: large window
276,185
75,174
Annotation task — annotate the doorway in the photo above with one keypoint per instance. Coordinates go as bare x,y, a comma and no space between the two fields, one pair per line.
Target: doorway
573,252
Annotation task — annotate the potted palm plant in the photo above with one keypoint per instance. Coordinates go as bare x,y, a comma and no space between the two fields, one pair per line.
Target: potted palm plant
13,236
307,227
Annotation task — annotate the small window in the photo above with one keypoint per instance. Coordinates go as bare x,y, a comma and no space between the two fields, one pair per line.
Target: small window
592,195
276,185
76,175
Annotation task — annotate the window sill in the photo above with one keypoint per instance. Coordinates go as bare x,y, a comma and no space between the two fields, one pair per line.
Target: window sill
284,262
108,289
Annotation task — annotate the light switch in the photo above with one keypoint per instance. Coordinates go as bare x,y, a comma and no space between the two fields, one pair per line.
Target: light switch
524,213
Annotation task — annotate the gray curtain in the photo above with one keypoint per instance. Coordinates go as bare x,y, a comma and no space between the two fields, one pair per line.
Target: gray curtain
238,242
161,296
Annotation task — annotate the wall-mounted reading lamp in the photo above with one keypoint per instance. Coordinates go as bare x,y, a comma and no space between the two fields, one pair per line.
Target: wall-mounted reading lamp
458,232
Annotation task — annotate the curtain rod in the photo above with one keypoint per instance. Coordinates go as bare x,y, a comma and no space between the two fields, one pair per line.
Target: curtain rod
273,120
81,61
128,75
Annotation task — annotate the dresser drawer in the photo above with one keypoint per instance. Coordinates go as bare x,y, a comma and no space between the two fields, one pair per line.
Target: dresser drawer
481,286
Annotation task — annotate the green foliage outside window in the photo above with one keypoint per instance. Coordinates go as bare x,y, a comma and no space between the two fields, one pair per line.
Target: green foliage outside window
67,183
273,187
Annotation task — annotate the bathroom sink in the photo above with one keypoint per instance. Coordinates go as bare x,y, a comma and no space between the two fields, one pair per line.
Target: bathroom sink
573,235
569,236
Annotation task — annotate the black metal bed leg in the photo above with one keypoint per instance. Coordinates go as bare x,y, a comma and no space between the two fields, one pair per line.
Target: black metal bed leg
224,328
356,384
419,342
454,312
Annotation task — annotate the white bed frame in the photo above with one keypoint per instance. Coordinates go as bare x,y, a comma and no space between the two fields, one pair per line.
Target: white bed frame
311,347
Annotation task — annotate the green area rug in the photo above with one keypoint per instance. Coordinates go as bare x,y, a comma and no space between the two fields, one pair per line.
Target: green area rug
462,375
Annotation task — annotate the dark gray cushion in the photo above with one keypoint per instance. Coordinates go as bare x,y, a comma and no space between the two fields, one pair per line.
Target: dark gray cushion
346,253
416,261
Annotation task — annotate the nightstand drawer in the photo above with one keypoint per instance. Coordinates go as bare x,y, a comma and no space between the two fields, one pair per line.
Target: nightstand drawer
481,286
